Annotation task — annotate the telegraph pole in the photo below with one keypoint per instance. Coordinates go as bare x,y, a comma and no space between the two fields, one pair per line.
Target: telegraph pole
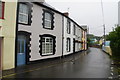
103,21
104,34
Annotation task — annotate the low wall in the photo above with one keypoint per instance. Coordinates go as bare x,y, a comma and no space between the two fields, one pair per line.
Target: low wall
107,49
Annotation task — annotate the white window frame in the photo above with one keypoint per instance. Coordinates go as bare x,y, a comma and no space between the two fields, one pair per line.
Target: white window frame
47,20
49,43
68,26
74,29
20,13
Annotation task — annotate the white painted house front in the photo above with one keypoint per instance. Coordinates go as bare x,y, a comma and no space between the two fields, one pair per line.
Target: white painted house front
72,37
43,32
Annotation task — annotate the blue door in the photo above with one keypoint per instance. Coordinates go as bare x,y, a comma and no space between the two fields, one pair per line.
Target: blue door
21,50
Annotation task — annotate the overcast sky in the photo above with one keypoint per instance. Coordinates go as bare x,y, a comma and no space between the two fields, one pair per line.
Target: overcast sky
89,12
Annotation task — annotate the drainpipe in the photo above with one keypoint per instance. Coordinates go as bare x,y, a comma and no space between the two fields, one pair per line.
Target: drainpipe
16,36
62,35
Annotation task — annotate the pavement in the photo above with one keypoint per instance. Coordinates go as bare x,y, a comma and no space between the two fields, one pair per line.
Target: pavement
86,64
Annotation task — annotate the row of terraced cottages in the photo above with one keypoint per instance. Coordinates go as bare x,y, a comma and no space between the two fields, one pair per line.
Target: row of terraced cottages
40,32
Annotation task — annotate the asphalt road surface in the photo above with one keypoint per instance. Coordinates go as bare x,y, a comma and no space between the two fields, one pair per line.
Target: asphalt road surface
95,64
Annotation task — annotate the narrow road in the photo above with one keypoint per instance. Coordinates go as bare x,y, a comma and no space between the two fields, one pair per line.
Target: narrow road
95,64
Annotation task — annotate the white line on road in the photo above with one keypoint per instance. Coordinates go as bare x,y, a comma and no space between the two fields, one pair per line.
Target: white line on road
110,77
111,74
111,68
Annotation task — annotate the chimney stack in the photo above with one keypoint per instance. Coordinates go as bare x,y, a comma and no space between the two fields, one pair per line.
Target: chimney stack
31,1
66,14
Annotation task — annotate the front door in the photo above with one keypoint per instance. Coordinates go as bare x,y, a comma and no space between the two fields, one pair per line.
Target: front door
21,50
73,45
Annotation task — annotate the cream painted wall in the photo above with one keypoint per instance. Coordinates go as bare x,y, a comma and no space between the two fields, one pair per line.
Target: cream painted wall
84,39
8,33
108,50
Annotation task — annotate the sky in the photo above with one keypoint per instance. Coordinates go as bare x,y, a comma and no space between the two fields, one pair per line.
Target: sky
89,12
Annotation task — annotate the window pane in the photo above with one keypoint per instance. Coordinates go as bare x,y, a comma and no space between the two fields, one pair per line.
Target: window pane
48,16
20,8
22,47
51,47
47,45
68,26
48,20
47,40
20,18
43,51
74,29
25,9
43,39
25,18
47,48
51,39
43,45
67,45
23,13
47,24
18,47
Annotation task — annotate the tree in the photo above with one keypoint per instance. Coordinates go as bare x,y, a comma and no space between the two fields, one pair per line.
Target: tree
88,42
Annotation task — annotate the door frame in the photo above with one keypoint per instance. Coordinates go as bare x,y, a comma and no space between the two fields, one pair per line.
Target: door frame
1,44
23,39
28,39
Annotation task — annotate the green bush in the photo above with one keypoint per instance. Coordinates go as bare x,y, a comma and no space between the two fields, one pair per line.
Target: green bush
114,37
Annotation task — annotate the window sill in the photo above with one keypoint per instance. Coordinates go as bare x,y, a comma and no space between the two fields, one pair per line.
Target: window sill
23,23
48,28
68,51
2,18
47,54
68,33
